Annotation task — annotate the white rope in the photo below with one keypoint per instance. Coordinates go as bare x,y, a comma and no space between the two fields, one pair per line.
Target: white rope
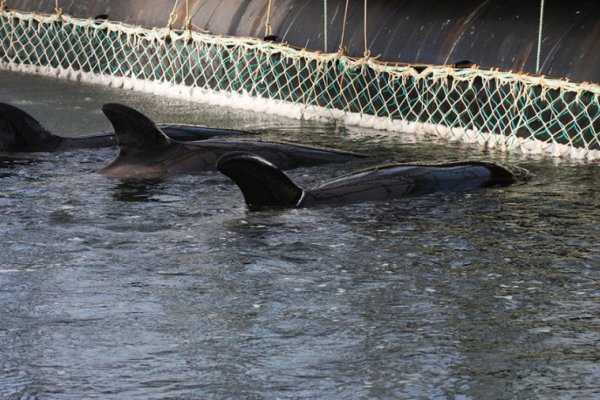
384,106
539,46
325,26
367,51
172,16
268,31
57,8
341,48
188,18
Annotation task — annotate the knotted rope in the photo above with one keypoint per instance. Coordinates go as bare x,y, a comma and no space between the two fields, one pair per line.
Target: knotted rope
268,30
342,48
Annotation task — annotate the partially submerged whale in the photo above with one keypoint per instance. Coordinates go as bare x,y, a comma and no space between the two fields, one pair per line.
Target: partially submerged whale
20,132
15,159
145,150
266,186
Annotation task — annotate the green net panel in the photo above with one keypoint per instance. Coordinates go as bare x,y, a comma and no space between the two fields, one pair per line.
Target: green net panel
499,110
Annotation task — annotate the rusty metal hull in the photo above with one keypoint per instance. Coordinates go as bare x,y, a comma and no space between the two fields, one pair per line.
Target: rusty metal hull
491,34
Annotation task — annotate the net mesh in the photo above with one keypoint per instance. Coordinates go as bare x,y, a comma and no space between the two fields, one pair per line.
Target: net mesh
500,110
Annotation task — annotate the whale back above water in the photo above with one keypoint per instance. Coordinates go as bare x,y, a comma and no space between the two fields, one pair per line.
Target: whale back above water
265,186
21,132
388,182
145,151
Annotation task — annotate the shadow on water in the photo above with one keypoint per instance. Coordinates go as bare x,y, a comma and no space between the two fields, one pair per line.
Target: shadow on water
139,190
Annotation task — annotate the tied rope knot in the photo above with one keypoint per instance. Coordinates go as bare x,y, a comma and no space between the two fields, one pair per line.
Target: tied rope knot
268,29
173,16
171,21
58,10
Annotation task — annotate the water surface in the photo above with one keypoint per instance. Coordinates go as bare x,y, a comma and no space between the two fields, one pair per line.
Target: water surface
172,289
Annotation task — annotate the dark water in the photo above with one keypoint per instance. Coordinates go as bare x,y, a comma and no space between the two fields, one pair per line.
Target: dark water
171,289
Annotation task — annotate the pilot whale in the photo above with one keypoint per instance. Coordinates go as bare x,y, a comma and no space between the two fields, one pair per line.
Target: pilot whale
145,151
14,159
21,132
266,186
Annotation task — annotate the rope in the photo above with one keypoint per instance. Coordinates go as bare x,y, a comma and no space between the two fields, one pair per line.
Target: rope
325,26
539,47
3,5
341,48
472,105
188,19
57,8
268,31
367,51
172,16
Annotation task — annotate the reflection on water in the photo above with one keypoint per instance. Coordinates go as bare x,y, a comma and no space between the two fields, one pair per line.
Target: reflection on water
136,190
171,289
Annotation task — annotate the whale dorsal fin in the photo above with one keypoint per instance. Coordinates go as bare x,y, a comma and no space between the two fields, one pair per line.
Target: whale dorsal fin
262,184
20,132
134,130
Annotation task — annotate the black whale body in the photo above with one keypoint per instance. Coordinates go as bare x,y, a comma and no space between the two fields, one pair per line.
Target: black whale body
145,151
7,160
21,132
265,186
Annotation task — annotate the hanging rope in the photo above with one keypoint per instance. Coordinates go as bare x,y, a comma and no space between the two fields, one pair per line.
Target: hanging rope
268,30
3,5
341,48
388,96
367,51
172,16
188,18
539,47
325,25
